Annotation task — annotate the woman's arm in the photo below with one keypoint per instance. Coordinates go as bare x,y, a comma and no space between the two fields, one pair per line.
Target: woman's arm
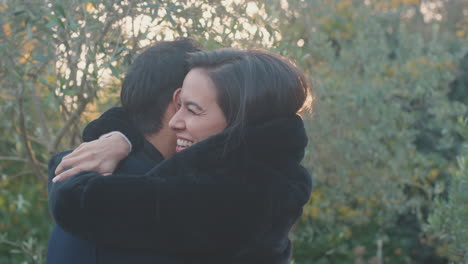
157,213
102,154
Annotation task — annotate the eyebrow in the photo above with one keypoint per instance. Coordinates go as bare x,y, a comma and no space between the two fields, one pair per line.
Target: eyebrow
194,104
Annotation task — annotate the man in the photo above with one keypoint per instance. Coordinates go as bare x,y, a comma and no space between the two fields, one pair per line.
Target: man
146,97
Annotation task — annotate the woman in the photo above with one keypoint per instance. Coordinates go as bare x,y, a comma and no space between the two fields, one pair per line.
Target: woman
234,189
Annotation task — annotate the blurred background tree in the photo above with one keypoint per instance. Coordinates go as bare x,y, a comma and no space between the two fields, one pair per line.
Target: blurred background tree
391,81
448,218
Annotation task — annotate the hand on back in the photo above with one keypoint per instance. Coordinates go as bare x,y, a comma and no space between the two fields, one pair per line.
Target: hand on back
101,155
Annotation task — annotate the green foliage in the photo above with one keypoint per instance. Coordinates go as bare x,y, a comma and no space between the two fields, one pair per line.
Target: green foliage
385,133
25,224
459,87
449,216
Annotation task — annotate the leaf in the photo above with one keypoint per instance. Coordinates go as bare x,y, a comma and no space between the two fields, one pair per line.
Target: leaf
7,30
89,6
56,20
19,12
114,70
59,8
51,23
39,57
29,31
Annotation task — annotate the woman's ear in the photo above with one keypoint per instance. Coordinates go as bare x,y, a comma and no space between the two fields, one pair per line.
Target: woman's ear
175,98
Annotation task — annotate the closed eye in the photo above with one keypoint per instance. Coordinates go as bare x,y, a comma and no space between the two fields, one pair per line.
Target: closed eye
191,111
194,108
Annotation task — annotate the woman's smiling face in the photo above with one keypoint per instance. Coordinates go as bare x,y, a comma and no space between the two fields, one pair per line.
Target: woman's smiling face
199,115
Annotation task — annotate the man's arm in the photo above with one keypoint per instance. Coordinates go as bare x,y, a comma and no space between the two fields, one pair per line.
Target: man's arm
114,119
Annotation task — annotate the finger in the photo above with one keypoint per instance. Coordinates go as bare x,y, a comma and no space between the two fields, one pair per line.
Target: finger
63,165
82,145
76,157
76,152
66,174
68,162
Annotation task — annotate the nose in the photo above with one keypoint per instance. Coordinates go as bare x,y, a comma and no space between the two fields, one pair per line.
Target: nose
177,122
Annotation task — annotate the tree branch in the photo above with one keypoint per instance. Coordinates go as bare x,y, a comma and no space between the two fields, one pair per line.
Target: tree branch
13,158
25,140
40,113
73,117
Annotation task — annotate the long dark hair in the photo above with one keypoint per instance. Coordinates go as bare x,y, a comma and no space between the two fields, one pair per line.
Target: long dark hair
253,86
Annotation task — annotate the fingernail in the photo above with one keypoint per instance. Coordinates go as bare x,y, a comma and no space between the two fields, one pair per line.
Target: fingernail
56,178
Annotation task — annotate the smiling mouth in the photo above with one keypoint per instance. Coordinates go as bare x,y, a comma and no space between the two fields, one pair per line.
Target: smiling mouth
183,144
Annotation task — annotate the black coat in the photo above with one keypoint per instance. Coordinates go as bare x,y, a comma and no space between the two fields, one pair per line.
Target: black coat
234,205
64,248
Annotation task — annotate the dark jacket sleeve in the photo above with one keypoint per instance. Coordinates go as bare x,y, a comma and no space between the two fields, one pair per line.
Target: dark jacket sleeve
52,187
114,119
156,213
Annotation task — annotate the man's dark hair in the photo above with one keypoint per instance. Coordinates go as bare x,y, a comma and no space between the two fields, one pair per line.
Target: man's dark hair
151,81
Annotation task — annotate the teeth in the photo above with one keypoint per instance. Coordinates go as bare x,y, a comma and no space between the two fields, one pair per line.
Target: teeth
184,143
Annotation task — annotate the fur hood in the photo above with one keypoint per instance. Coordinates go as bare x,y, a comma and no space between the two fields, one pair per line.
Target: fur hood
222,205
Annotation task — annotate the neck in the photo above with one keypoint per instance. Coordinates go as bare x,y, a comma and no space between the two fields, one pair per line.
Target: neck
164,141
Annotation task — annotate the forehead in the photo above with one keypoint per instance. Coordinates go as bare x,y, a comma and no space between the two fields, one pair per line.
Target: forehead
198,86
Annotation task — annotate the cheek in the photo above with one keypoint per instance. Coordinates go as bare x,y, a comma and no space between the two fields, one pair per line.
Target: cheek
217,125
208,127
218,128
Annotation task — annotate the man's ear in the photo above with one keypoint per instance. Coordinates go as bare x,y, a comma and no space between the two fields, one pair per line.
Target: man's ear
175,98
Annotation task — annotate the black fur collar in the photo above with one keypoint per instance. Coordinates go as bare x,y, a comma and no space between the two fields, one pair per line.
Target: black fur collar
276,140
